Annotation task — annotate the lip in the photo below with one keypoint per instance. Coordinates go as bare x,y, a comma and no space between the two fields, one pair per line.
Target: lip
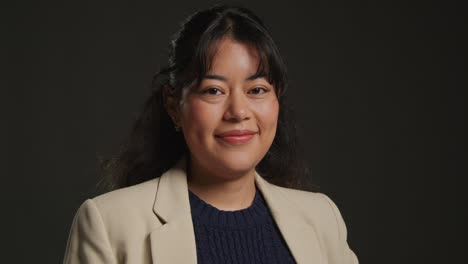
237,132
237,136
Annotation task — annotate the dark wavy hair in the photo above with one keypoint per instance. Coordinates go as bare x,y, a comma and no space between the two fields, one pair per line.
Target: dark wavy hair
154,146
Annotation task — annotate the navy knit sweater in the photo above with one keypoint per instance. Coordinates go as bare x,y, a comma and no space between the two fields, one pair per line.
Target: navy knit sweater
249,235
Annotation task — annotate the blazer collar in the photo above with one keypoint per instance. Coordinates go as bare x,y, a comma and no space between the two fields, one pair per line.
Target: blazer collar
174,240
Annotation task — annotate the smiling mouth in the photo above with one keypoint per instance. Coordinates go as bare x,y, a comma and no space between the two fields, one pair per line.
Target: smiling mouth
242,139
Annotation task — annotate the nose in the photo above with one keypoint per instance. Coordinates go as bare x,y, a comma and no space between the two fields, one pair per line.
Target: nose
237,107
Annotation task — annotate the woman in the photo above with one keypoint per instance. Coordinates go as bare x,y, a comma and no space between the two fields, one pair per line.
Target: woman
199,180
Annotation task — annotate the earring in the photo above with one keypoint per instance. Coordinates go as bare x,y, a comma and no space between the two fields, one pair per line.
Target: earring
176,126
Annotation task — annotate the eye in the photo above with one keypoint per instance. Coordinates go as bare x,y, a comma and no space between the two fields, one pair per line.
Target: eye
211,91
258,90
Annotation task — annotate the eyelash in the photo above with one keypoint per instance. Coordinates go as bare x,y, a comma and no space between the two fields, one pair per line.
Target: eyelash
211,88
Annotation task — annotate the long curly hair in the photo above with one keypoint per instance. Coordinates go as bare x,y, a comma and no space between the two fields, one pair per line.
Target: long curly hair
153,146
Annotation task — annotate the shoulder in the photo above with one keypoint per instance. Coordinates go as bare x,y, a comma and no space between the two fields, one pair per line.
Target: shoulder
321,212
318,209
309,202
128,206
110,222
136,196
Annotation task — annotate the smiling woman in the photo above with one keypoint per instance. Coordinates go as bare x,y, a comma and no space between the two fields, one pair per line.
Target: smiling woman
231,118
209,173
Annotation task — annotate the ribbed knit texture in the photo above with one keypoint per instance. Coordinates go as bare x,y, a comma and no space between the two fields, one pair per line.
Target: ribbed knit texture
249,235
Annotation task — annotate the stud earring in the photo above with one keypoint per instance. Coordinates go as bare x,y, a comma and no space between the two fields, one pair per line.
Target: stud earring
176,126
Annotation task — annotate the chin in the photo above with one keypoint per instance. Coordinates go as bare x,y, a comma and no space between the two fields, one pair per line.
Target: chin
238,163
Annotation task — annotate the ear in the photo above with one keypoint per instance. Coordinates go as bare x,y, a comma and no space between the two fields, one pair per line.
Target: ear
171,104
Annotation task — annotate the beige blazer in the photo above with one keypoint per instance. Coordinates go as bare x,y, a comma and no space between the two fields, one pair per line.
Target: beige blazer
151,223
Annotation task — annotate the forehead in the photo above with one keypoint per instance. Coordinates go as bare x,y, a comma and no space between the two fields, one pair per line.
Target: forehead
231,57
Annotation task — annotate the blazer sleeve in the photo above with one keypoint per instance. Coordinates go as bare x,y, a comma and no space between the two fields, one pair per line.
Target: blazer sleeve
88,241
345,254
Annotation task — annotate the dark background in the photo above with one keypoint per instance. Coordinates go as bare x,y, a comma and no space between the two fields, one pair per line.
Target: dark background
377,91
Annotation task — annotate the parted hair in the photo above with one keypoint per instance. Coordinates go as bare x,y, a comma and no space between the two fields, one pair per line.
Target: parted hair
153,145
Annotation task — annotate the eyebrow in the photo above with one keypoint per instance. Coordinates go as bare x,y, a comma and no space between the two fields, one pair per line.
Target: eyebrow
223,78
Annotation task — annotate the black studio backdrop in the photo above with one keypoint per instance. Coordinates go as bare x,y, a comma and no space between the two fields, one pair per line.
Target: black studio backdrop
377,91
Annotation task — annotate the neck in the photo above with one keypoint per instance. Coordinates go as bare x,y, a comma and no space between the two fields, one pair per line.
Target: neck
228,192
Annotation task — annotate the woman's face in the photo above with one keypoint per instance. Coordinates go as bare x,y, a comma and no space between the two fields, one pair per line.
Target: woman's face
230,98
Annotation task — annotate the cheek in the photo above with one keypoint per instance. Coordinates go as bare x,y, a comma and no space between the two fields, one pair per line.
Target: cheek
200,117
268,116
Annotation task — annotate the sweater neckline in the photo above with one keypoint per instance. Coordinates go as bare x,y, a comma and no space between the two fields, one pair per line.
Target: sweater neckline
256,214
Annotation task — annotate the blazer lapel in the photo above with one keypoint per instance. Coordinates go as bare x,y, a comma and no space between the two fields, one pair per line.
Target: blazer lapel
174,240
299,234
